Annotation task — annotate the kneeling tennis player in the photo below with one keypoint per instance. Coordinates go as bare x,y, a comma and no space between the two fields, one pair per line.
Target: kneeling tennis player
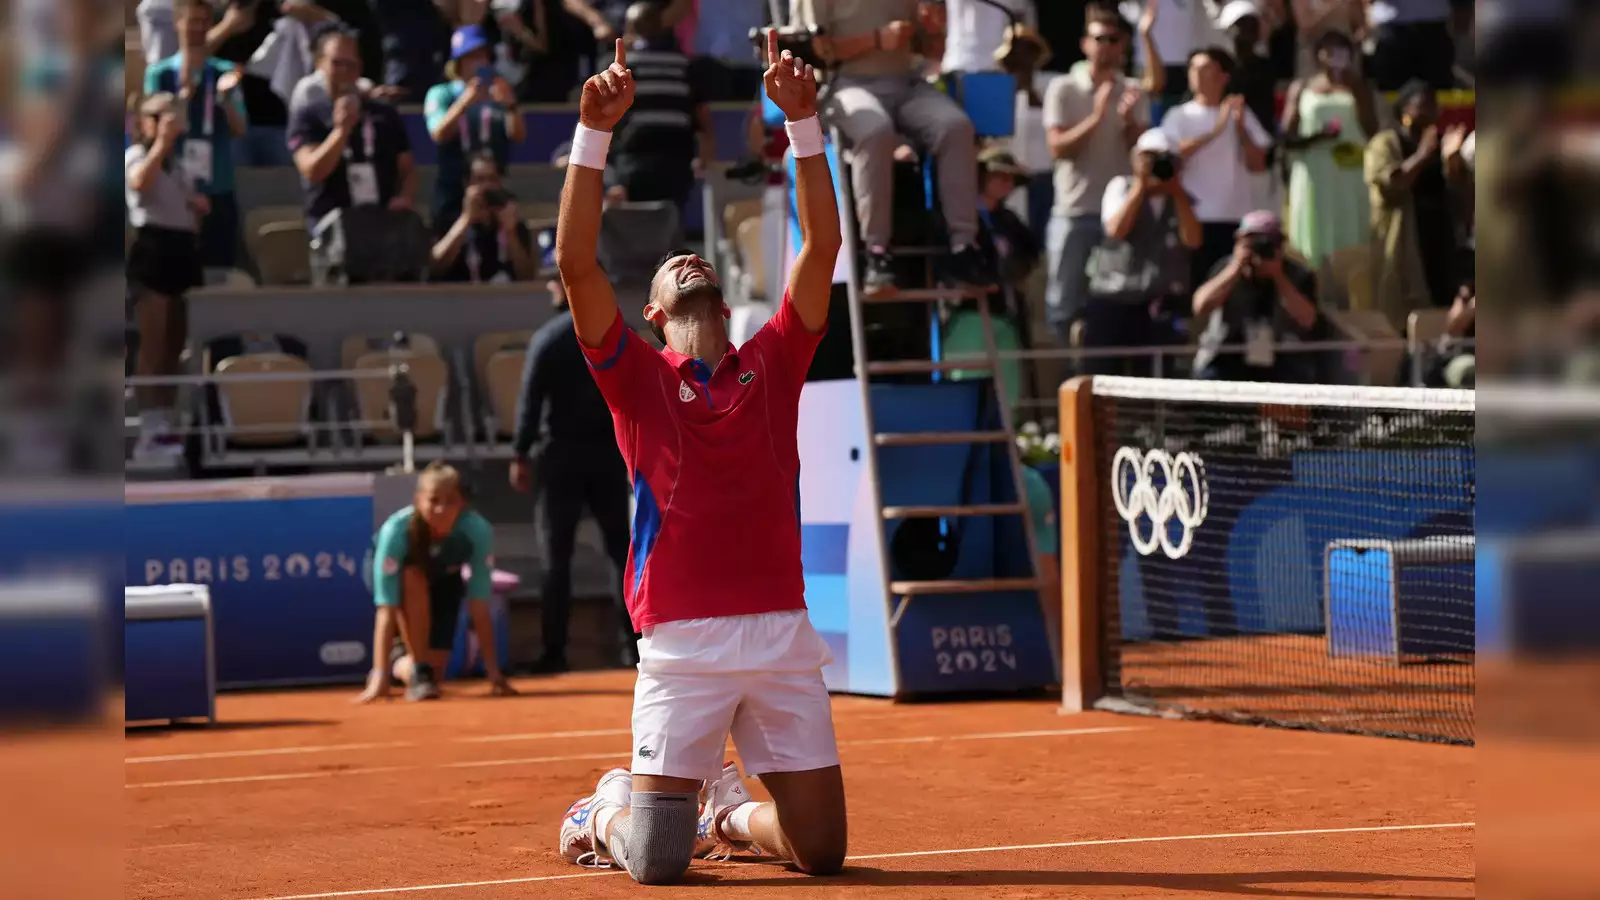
713,581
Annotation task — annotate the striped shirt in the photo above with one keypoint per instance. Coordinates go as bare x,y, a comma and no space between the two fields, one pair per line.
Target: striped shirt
661,123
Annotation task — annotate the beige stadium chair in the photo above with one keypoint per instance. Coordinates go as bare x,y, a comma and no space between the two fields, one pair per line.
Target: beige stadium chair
1424,327
264,413
428,372
238,279
752,256
352,348
1345,263
502,379
487,345
1380,366
261,216
283,253
737,212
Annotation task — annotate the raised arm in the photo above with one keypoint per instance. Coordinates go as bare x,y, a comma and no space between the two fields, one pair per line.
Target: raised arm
606,97
792,85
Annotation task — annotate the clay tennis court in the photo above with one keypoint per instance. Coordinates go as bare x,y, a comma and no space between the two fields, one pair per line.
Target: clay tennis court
302,795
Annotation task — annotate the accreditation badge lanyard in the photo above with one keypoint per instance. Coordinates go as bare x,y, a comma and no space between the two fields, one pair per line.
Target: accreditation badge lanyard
485,130
197,160
362,176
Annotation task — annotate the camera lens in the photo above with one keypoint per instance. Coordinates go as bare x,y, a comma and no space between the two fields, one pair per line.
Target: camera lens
1163,167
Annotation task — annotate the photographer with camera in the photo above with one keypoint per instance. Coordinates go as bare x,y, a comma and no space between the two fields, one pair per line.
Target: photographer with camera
474,112
1260,299
488,242
1139,276
877,93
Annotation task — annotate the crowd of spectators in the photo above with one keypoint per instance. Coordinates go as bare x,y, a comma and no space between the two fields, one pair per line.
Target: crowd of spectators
1188,172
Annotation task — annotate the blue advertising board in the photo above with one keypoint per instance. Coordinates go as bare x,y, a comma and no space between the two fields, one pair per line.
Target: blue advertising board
287,564
1269,523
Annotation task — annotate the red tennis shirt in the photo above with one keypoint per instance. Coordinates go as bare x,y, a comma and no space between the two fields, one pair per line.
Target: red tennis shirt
715,466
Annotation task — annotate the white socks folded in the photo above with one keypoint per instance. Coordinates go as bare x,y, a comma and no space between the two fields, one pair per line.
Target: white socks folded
736,827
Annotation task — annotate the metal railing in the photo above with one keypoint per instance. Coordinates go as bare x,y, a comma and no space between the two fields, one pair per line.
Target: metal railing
333,431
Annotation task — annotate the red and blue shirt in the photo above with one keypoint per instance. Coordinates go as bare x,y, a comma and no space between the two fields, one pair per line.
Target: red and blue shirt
715,464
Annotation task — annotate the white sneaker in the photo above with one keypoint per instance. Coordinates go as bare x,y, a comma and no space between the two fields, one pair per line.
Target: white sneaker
578,843
716,799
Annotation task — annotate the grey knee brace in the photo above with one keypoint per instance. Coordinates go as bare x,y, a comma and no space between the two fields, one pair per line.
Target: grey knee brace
656,841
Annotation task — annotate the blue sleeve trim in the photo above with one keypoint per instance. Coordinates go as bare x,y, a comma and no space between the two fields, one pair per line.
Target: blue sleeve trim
622,341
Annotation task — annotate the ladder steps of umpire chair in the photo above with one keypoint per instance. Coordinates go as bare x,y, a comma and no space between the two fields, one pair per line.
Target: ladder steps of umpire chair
920,366
964,586
938,438
989,362
939,512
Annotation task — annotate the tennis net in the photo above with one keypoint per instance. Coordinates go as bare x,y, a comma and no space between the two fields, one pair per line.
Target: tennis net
1294,555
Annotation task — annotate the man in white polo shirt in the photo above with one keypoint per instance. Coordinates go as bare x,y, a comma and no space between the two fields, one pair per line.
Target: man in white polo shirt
1222,144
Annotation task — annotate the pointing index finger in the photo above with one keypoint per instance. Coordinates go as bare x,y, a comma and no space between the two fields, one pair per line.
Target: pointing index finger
622,53
772,46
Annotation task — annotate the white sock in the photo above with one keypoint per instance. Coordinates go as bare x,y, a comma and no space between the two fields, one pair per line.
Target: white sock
736,827
618,791
602,819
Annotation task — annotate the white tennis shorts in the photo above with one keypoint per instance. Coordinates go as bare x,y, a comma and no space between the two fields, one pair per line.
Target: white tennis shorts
756,677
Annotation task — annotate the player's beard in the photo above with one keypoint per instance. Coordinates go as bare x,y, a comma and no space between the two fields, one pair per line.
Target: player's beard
699,298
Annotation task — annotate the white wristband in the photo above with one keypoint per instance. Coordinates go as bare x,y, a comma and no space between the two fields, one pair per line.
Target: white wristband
589,148
805,136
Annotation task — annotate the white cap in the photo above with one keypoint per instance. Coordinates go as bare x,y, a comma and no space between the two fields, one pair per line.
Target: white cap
1234,11
1153,141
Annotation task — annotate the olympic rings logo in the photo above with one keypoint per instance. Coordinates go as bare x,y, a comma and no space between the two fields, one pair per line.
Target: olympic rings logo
1182,495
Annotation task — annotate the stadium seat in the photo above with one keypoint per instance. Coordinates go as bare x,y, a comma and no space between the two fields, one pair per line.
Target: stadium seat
487,345
1358,288
265,413
1424,327
352,348
502,380
736,212
1380,366
1345,263
752,258
258,217
238,279
283,253
428,372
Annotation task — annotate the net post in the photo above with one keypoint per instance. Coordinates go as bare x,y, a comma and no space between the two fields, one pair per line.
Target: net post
1082,679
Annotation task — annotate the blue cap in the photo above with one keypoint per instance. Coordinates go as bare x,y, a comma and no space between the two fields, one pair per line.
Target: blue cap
467,39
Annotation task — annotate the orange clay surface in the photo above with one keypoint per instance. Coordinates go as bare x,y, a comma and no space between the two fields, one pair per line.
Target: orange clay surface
303,795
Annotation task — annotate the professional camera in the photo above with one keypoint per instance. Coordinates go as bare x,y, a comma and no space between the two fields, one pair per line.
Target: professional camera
1265,246
497,198
1163,166
796,39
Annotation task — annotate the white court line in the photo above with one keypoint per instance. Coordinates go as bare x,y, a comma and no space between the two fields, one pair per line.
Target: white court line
847,714
617,755
961,850
286,776
541,736
270,751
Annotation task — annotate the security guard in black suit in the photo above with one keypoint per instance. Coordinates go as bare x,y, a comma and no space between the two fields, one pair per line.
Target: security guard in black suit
564,426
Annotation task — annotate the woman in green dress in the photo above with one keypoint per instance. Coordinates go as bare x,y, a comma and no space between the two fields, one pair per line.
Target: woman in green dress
1328,118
